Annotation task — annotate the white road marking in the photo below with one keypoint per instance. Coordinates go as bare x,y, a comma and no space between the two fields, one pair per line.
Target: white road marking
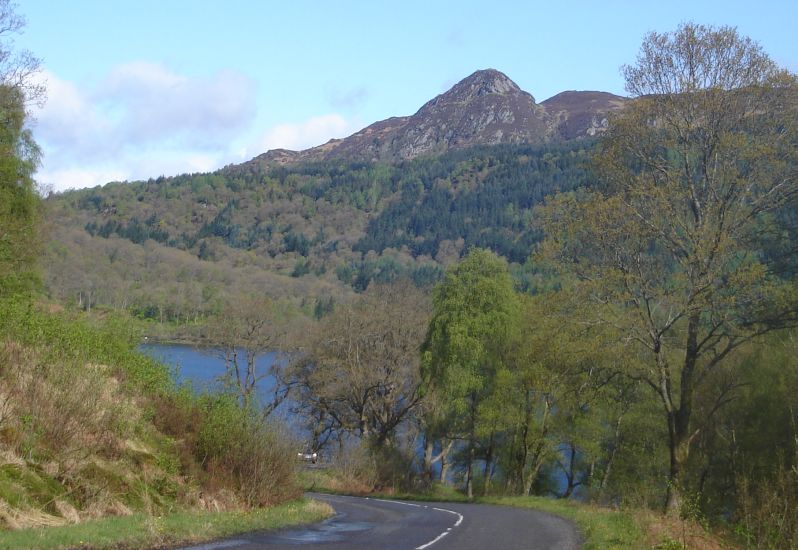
448,530
433,541
459,516
436,539
400,502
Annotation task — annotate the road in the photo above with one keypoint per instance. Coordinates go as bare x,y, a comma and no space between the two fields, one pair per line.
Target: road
363,523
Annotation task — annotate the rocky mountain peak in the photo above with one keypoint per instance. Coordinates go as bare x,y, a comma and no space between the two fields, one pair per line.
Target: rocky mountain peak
485,82
485,108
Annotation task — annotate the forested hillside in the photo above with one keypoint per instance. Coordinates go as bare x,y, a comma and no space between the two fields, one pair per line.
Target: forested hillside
174,248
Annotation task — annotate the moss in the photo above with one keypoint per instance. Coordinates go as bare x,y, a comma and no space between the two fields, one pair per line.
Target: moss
99,476
21,486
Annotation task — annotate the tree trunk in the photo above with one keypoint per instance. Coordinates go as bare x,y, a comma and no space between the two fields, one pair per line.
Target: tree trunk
444,470
679,451
616,443
470,470
533,474
429,448
471,449
488,471
679,417
570,475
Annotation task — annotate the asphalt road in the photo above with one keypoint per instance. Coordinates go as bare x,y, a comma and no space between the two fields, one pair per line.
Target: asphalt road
362,523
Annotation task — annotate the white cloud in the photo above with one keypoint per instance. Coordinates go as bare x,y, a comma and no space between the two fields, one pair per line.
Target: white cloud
308,133
143,119
156,103
75,178
69,123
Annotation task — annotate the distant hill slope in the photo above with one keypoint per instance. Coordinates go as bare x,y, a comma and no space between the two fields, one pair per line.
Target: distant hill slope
580,114
486,108
403,197
311,232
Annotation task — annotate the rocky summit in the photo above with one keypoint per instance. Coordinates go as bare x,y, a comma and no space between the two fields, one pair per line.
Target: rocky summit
486,108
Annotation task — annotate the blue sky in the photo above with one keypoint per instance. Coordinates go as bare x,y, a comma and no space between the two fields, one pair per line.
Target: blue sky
143,88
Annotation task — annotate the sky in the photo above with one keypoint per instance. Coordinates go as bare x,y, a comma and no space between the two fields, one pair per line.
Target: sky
141,88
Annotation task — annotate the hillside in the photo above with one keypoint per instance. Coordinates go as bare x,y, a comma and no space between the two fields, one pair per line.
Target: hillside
310,233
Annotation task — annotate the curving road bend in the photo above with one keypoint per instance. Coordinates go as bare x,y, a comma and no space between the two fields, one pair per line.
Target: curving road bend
365,523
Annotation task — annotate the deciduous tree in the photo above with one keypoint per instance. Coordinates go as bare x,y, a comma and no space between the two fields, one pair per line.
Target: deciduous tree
474,313
360,374
669,249
19,156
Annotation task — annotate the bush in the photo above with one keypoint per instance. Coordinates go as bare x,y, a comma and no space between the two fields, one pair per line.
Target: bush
354,469
73,338
768,510
256,458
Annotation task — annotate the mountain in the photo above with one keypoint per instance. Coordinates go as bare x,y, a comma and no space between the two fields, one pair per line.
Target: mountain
402,198
486,108
579,114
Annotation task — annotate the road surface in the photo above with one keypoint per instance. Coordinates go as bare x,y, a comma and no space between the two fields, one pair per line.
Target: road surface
364,523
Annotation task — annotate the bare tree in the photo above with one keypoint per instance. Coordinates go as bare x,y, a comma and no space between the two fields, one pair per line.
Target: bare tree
361,369
18,68
250,336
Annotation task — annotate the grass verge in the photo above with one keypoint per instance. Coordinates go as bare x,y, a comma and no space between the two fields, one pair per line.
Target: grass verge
140,531
601,528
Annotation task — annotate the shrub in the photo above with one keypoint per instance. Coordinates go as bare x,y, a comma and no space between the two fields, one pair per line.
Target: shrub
256,458
768,510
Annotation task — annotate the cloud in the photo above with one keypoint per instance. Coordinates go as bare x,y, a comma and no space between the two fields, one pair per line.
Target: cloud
74,178
157,103
142,119
127,167
308,133
69,122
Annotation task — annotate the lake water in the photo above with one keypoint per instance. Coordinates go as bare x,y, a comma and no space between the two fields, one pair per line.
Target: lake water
203,367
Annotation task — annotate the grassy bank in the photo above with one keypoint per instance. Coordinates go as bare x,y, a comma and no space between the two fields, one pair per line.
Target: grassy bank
141,531
99,447
601,528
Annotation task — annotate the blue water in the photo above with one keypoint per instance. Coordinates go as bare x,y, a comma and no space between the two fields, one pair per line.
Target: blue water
204,368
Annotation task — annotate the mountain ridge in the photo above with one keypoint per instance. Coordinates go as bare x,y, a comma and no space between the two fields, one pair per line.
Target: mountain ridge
485,108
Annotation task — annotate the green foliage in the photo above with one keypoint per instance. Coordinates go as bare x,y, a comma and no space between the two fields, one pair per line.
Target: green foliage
474,315
484,196
19,203
670,248
69,336
353,222
236,445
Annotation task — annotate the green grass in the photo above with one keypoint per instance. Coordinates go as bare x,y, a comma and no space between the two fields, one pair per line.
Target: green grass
601,528
139,531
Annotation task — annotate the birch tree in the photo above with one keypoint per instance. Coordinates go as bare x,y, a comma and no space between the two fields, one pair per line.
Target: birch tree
669,248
